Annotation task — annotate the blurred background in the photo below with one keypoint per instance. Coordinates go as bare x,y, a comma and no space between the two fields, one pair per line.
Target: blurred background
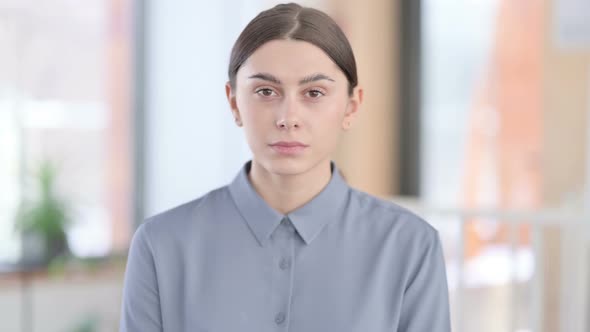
476,116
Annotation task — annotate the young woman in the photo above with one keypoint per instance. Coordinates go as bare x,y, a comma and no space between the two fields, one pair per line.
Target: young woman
288,245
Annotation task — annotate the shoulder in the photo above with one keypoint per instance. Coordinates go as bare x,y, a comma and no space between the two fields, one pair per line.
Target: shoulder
177,220
403,222
416,241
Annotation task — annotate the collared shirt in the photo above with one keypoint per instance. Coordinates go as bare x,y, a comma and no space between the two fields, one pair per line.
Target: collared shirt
226,262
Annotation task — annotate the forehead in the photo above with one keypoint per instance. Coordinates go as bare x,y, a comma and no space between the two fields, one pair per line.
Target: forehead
290,59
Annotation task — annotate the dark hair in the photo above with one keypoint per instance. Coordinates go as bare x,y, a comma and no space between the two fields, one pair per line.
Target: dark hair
292,21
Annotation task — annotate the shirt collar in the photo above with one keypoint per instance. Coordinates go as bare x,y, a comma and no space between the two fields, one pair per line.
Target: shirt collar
308,220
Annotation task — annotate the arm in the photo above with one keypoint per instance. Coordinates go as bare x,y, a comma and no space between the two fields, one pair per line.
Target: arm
425,306
141,302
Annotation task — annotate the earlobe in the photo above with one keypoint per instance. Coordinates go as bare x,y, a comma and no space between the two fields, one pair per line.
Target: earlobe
346,124
347,121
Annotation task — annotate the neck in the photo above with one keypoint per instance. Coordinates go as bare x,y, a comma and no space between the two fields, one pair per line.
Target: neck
286,193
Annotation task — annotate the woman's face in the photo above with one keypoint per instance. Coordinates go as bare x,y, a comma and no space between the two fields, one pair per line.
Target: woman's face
293,103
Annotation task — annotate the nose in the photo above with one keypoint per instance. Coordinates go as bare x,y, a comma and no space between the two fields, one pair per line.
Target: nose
288,115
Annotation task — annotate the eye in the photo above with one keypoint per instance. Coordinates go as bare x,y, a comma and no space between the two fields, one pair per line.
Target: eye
315,93
265,92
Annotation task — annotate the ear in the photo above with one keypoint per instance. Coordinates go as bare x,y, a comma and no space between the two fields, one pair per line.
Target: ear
231,98
352,108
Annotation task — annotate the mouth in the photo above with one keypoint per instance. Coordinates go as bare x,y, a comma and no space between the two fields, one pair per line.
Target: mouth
289,148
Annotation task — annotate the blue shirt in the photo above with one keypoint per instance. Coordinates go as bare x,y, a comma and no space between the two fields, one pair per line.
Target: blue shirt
228,262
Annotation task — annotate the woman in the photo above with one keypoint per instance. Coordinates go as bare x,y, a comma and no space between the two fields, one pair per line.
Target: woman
288,245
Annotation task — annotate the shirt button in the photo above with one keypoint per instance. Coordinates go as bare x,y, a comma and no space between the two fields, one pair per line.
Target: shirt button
284,264
280,318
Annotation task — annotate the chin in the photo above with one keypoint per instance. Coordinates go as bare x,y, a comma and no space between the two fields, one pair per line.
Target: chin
286,166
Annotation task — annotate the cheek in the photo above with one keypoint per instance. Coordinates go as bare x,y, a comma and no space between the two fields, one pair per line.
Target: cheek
252,112
328,128
256,121
332,116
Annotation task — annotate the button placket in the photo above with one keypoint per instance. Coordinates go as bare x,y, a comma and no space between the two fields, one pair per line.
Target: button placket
283,246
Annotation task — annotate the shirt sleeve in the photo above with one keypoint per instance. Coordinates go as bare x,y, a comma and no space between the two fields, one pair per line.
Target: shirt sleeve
425,305
140,310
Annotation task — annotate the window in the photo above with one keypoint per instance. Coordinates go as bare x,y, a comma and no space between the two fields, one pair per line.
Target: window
65,96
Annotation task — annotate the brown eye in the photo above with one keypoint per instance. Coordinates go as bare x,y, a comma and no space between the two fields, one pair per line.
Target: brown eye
315,93
265,92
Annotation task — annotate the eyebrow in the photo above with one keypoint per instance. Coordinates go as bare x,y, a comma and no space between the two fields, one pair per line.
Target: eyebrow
305,80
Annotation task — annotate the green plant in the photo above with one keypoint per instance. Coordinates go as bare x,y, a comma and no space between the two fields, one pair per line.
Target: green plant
46,217
90,323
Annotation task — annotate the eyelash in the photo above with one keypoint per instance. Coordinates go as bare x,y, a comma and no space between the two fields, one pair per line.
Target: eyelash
259,92
320,92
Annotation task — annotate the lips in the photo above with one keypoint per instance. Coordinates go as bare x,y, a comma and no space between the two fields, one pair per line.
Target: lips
289,144
288,148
